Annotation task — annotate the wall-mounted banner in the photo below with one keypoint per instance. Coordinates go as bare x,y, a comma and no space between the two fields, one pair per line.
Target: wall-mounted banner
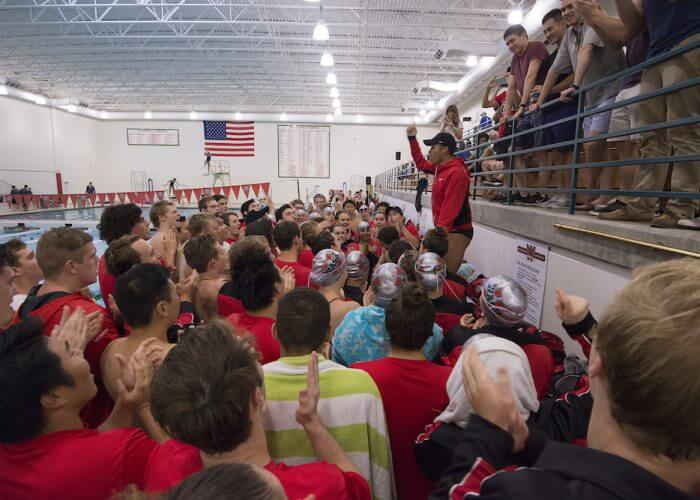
531,272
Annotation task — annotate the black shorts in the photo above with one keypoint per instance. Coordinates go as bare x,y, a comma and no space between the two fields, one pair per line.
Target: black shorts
533,139
563,131
469,233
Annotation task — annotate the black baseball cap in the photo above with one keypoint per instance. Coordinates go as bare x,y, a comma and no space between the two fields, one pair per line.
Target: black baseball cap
444,139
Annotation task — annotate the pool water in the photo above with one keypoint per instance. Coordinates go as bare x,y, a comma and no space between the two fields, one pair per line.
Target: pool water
77,214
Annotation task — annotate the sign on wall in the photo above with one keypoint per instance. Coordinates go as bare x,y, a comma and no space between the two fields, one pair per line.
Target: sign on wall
153,137
531,272
303,151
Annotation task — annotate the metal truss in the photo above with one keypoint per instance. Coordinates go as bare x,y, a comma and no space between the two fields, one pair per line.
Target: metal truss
255,55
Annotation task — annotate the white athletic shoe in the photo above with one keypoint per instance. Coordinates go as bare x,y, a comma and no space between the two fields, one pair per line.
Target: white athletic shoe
690,223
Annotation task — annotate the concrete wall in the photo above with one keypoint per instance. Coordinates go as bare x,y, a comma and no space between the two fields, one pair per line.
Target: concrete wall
493,252
87,149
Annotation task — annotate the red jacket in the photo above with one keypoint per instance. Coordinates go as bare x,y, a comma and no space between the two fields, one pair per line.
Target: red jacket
450,198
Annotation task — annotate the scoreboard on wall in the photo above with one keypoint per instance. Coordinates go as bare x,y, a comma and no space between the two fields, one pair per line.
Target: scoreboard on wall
153,137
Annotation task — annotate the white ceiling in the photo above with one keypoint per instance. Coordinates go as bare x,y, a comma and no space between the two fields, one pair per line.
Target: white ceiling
252,56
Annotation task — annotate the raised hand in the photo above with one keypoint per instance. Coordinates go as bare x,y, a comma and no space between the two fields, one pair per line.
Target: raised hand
186,288
75,328
411,131
288,279
493,400
308,398
571,309
170,243
469,321
138,371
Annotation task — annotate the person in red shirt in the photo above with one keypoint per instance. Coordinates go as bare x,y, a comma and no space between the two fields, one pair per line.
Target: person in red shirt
288,238
407,229
208,394
435,240
7,286
450,200
234,481
259,285
413,389
309,231
233,223
115,222
45,452
68,259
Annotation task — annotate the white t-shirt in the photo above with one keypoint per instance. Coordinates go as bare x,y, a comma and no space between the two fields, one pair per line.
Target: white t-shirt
18,300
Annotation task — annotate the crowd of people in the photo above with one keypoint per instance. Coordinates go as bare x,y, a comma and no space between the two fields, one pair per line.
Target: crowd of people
329,351
588,47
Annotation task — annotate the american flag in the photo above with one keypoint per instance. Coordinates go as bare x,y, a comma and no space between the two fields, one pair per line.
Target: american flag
229,138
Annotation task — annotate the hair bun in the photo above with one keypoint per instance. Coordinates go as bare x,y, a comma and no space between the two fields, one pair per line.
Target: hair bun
413,296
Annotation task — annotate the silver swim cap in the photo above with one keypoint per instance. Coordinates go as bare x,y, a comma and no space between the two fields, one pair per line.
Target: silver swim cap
430,271
503,301
327,267
357,265
387,281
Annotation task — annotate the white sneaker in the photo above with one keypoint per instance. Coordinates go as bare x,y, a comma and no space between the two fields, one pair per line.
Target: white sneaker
690,223
562,202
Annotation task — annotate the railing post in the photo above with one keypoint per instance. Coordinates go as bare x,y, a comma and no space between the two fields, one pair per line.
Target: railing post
510,165
577,151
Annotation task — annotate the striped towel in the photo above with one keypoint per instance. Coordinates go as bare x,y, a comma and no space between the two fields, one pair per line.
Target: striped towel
350,407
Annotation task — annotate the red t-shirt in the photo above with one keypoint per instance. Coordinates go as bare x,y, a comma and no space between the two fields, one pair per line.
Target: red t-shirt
413,393
174,461
520,64
374,247
306,258
105,280
301,273
228,305
411,227
261,329
77,464
501,100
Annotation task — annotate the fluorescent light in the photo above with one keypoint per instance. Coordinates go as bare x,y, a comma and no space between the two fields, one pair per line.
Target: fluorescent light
472,61
148,115
283,117
40,100
331,79
3,90
321,31
515,16
71,108
431,104
334,92
329,117
421,112
337,112
359,119
327,59
103,114
238,115
193,115
336,103
416,118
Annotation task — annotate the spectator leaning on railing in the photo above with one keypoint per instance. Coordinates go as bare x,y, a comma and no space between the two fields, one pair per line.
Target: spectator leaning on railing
583,52
670,24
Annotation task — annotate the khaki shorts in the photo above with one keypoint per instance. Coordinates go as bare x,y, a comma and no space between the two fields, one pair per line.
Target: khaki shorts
626,117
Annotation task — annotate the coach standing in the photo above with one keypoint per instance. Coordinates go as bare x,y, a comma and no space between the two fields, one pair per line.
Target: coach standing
450,188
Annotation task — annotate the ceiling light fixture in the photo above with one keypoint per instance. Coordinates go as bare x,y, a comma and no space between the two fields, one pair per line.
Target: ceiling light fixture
321,31
148,115
237,116
336,103
3,90
334,92
327,59
40,100
421,112
71,108
431,104
329,117
359,119
515,16
337,112
331,79
472,61
193,115
283,117
103,114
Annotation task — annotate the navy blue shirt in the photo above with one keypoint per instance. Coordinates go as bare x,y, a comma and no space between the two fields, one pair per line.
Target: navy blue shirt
670,22
636,53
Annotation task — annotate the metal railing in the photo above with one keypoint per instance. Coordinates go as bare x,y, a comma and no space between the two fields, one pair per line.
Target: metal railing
393,179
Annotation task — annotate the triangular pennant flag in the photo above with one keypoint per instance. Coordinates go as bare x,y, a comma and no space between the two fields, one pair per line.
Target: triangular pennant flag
64,199
161,195
227,190
266,188
17,198
8,199
54,200
188,195
151,197
122,197
246,190
217,189
256,189
178,195
74,200
27,199
36,200
92,197
198,193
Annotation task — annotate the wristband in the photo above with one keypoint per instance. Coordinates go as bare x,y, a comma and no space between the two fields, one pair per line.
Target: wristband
574,86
